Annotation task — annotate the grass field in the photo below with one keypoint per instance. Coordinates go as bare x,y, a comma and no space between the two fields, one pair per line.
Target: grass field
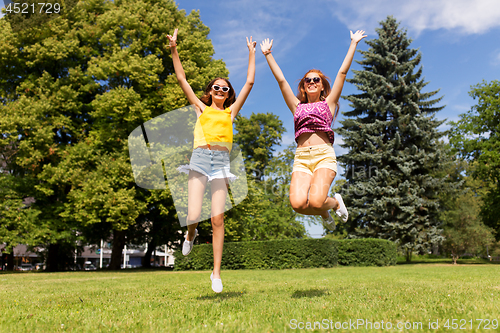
255,300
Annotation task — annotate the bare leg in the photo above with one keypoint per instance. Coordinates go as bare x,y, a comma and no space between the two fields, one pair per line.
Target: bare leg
196,187
319,201
219,192
309,194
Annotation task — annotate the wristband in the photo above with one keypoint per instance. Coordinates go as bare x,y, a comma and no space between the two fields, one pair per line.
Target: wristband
267,52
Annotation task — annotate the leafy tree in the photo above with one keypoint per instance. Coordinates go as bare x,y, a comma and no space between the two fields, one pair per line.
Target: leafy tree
476,136
392,137
43,112
257,137
73,89
464,231
266,213
17,217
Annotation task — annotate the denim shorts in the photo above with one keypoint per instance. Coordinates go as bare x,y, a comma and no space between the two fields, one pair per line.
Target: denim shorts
312,158
211,163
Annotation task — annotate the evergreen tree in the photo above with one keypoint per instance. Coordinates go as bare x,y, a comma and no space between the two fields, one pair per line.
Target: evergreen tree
392,137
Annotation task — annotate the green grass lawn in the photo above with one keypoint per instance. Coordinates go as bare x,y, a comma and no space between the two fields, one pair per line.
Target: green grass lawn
253,300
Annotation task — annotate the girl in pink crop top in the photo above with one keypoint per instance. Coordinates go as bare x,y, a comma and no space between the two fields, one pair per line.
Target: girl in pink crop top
314,109
312,118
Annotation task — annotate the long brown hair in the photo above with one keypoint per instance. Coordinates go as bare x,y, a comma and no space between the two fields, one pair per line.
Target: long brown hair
207,98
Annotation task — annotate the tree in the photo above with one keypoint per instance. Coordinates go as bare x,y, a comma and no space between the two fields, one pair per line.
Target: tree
392,137
463,229
257,137
266,213
476,137
73,89
17,217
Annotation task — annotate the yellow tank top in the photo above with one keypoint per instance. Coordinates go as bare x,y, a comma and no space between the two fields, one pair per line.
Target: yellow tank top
214,127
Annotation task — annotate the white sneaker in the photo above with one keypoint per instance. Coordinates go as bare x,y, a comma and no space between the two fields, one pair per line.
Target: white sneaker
329,222
342,210
216,283
187,246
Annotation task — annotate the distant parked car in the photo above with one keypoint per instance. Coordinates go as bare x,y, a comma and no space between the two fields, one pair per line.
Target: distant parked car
25,267
88,266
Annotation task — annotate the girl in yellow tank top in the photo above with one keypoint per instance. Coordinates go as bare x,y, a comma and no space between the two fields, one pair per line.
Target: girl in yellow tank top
214,126
213,137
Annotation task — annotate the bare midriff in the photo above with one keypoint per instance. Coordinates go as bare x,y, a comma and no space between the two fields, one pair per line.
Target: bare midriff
213,147
312,139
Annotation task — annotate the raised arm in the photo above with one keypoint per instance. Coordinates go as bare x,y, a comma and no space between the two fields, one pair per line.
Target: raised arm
333,98
290,99
242,96
181,76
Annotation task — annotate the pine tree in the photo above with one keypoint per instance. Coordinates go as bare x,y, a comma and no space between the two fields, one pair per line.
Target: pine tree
393,143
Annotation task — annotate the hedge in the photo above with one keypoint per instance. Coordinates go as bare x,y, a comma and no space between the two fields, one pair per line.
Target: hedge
291,253
366,252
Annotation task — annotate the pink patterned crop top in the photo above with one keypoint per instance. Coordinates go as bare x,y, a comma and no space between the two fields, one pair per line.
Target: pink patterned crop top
313,117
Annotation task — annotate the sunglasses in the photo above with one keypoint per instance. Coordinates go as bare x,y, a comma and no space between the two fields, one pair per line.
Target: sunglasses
314,79
217,88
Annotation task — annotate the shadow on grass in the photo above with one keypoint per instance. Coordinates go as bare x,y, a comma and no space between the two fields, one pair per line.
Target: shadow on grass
309,293
223,295
449,261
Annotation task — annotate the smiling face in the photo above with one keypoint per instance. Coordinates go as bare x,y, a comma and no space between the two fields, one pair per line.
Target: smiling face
313,87
219,96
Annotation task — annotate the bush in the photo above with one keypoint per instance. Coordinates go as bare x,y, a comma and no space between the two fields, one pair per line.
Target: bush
366,252
297,253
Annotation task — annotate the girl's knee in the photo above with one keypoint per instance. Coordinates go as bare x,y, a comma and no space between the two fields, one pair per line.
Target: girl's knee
316,203
218,221
299,206
193,218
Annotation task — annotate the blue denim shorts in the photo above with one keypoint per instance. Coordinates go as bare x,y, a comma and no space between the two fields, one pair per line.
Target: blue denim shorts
211,163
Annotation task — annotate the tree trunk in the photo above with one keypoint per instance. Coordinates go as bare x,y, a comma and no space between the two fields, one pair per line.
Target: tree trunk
408,255
146,261
116,252
52,258
9,260
435,249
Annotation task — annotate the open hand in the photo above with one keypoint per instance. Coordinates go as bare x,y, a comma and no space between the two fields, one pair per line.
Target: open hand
266,46
251,44
358,35
173,39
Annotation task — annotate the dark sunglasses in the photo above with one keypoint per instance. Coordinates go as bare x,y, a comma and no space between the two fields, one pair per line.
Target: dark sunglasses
217,88
314,79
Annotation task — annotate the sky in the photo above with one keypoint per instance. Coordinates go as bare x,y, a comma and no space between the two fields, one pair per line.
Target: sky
458,39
